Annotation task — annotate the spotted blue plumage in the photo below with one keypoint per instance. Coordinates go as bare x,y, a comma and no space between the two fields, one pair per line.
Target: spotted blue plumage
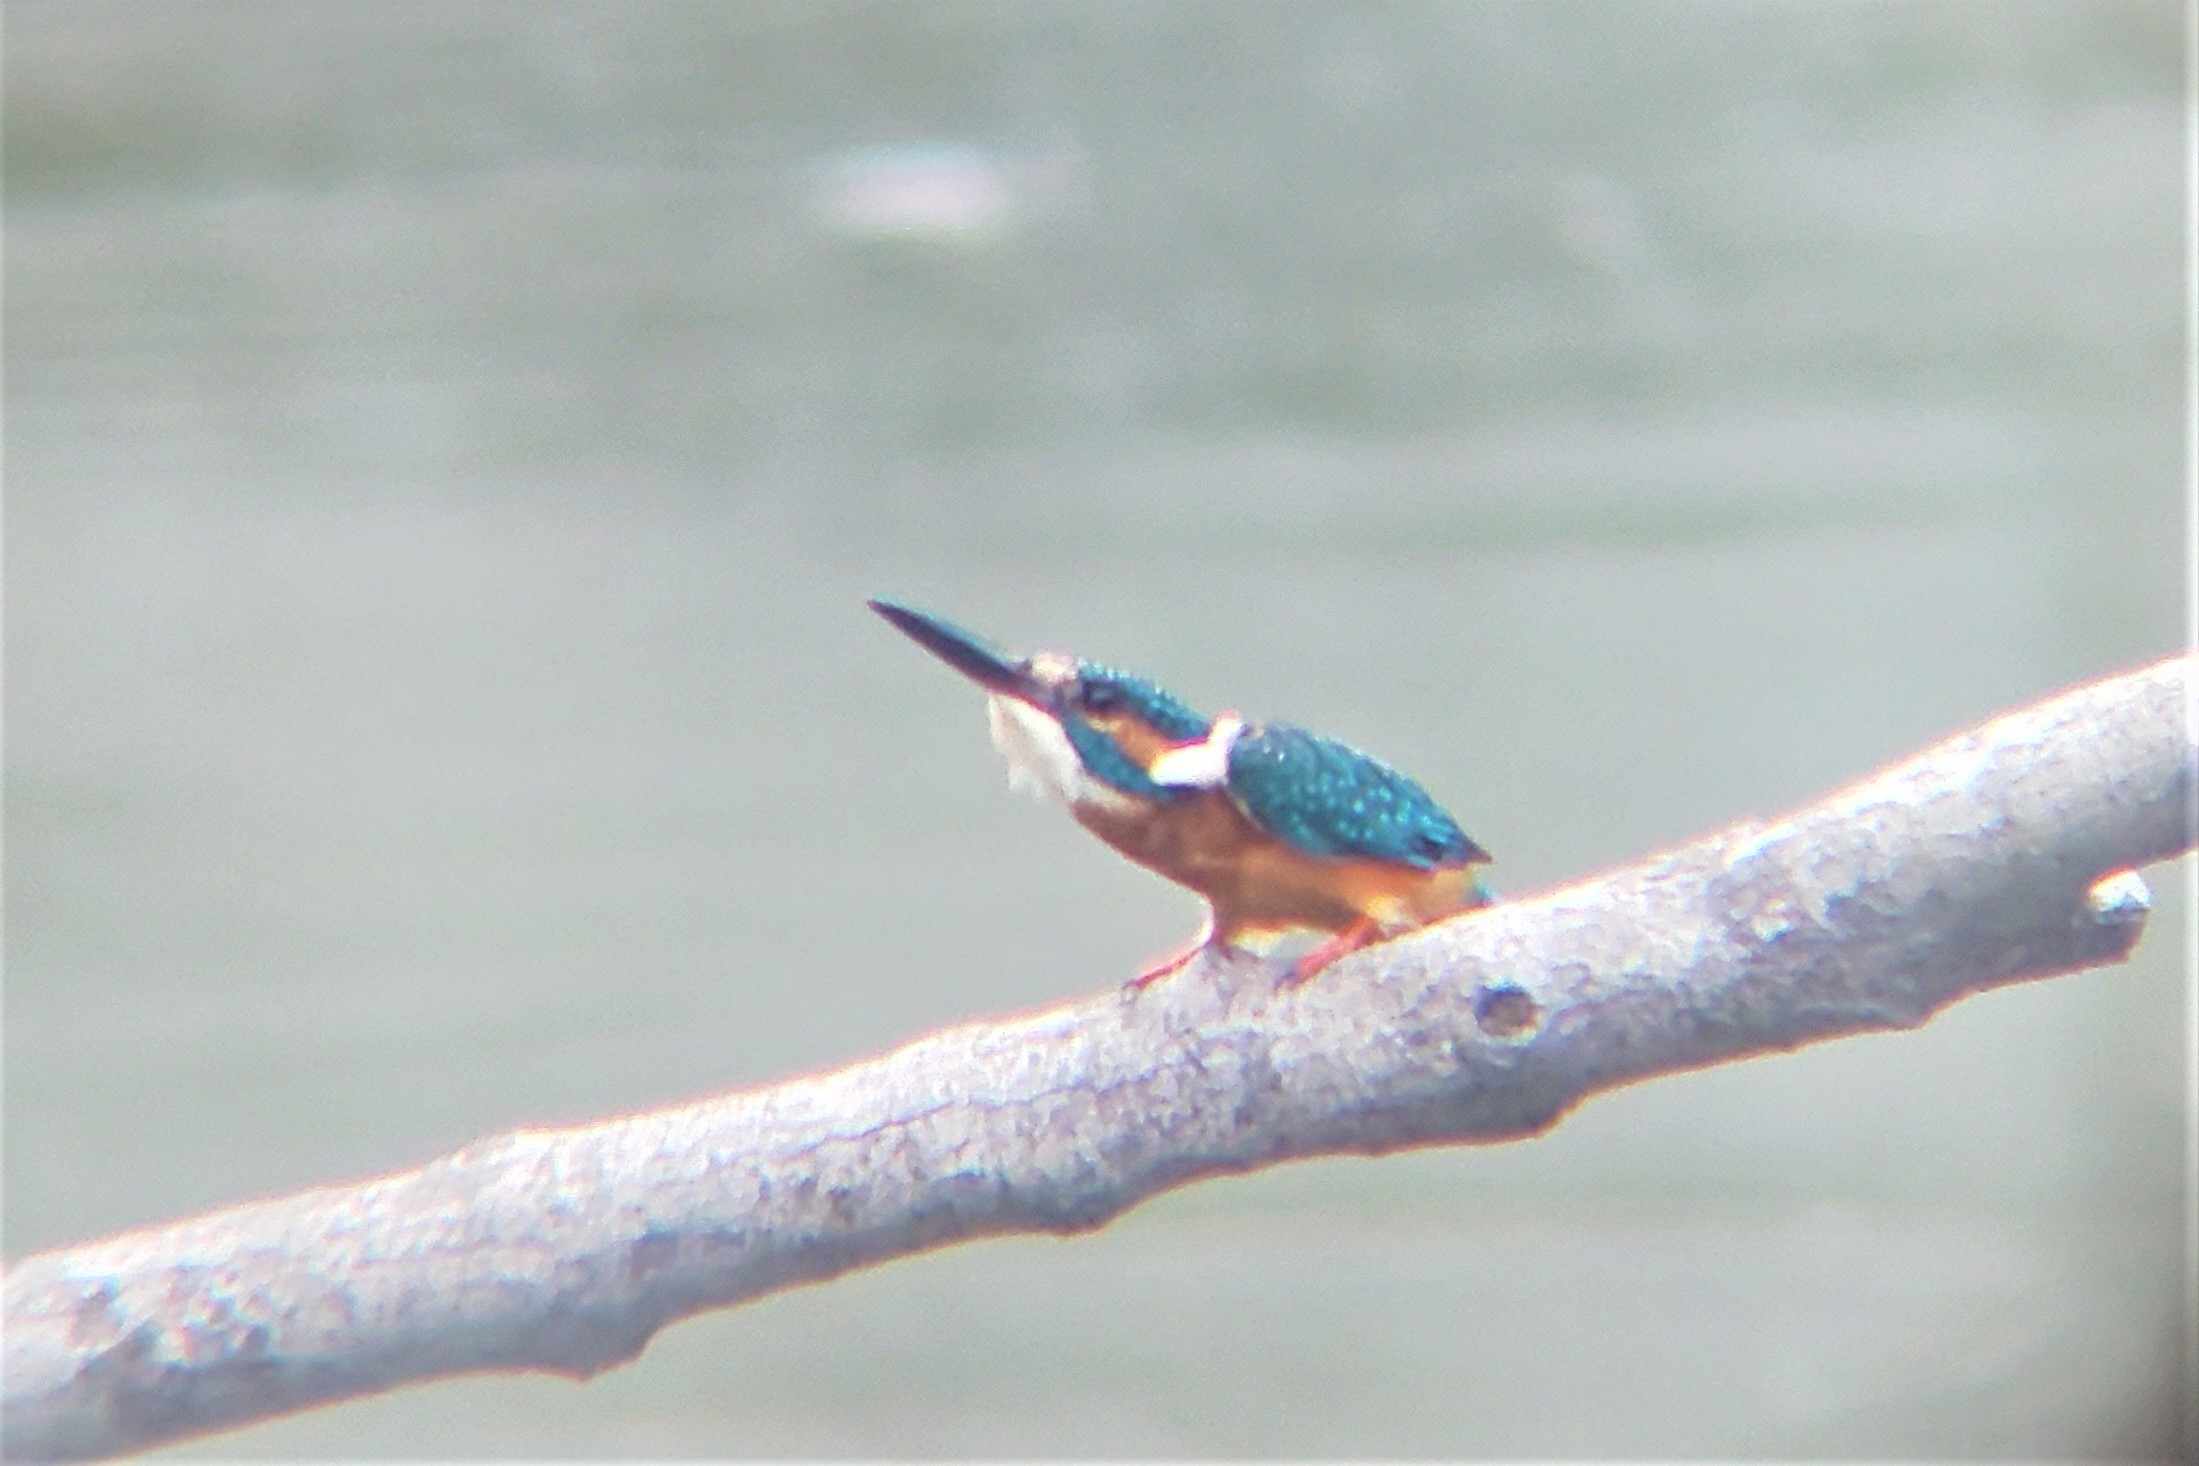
1328,798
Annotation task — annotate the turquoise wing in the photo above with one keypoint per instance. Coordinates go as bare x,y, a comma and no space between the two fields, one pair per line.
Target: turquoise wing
1328,798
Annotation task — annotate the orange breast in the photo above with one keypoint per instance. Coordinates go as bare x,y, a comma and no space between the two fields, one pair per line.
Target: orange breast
1256,883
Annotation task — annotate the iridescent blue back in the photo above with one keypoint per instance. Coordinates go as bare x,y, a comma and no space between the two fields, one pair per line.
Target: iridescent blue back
1328,798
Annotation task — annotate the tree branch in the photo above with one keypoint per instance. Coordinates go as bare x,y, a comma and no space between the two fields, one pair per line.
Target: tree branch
1996,857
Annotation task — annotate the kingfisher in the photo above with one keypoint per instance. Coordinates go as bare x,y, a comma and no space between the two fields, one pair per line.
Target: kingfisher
1280,829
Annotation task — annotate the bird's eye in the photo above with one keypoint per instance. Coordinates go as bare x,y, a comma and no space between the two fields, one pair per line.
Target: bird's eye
1100,697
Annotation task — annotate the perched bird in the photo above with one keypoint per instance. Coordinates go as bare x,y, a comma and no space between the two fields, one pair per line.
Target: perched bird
1279,829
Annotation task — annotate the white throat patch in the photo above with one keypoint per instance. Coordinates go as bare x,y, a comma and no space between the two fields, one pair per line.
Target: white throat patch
1040,760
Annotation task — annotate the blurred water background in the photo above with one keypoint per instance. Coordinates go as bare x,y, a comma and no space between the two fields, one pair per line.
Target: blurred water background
448,445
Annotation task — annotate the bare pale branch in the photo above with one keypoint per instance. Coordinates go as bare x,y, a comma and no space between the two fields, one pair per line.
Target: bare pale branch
1998,856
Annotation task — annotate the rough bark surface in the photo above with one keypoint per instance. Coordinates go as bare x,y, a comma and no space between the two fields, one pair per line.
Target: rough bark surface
1995,857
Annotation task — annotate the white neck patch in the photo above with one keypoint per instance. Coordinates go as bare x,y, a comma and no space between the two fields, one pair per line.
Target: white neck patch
1201,765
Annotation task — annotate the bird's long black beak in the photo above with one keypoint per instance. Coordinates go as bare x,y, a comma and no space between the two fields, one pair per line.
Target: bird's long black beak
970,655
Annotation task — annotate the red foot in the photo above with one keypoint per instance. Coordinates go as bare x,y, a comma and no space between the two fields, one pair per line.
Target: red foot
1359,934
1174,962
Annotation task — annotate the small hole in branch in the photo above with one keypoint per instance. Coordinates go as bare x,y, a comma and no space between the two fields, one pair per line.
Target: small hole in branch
1505,1011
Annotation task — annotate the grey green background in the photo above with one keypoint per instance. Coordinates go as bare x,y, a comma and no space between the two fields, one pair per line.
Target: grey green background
448,446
